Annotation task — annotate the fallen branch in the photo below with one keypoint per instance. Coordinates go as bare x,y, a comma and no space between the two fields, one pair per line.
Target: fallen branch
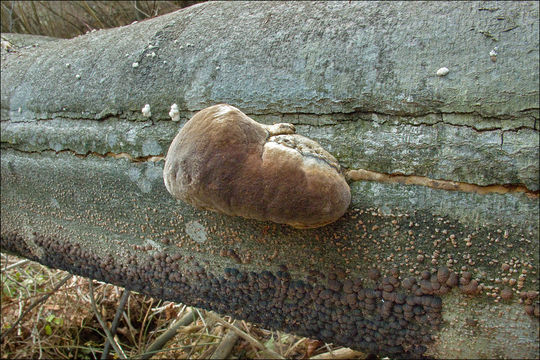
18,263
169,334
226,345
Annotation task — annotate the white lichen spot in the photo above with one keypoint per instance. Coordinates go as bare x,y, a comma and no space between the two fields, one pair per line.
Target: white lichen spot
174,113
443,71
135,65
146,111
493,54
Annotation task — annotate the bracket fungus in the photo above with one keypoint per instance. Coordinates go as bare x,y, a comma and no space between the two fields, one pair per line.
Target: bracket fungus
224,161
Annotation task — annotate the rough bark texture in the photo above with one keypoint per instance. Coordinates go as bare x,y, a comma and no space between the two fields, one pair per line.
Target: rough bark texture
443,170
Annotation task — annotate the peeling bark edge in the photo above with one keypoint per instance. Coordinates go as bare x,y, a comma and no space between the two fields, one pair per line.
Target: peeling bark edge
438,184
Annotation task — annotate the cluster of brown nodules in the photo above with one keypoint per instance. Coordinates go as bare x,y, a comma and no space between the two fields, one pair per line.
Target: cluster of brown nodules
387,315
224,161
231,254
15,243
378,319
532,306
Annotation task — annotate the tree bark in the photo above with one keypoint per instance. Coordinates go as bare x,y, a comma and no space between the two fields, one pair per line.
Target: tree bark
438,253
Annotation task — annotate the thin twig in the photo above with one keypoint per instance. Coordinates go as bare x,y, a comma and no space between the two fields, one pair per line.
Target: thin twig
35,332
290,349
113,342
202,318
171,349
114,324
49,8
226,345
168,334
343,353
139,10
18,263
247,337
195,344
19,284
131,328
144,321
93,14
278,342
33,305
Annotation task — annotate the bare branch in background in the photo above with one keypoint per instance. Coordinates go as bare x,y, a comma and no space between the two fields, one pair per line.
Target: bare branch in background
67,19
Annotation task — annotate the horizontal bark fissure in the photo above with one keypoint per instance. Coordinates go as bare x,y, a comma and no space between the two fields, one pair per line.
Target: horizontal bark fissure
351,175
121,155
439,184
361,115
482,130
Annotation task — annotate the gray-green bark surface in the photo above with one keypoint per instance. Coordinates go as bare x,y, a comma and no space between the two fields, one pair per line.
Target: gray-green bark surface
81,167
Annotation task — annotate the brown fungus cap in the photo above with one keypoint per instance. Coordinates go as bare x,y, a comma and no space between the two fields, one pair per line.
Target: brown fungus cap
224,161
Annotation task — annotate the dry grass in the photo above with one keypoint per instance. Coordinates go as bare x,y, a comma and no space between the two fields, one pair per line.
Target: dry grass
67,19
64,326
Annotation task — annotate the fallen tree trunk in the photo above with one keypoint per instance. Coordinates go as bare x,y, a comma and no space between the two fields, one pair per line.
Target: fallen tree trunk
438,254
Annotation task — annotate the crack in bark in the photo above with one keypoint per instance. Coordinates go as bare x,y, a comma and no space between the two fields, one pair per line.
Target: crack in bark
368,175
343,117
355,116
122,155
350,175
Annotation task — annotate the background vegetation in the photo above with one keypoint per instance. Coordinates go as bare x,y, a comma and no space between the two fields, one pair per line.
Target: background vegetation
67,19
